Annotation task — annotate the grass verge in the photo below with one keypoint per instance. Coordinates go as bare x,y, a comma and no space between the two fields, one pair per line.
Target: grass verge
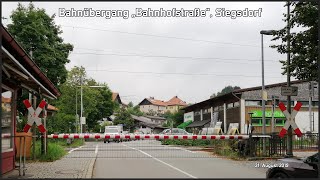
54,152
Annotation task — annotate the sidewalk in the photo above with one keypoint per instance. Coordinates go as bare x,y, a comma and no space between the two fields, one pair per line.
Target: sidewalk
67,167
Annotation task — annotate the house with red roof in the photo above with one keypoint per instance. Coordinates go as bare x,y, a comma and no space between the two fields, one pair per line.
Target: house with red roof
154,106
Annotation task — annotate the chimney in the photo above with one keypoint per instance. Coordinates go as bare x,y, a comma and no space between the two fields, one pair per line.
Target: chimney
176,96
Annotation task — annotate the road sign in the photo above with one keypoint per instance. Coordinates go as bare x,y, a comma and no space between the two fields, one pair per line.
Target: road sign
289,91
83,120
290,118
265,95
34,116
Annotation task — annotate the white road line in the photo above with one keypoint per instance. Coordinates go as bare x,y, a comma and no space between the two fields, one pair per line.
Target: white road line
74,149
184,149
96,151
162,161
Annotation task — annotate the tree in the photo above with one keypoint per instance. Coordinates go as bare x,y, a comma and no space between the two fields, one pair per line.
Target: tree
37,31
97,102
175,118
304,44
134,110
151,112
124,117
225,90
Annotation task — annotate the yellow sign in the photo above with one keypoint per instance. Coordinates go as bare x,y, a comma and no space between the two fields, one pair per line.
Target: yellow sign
264,95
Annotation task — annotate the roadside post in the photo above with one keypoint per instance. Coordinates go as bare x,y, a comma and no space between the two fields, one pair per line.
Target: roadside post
250,136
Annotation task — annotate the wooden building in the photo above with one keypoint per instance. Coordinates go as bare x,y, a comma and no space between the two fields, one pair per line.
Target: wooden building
19,72
234,107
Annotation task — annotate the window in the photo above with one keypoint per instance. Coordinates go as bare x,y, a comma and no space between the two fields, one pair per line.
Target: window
256,122
315,103
216,108
280,122
181,131
305,103
6,118
175,131
230,105
253,103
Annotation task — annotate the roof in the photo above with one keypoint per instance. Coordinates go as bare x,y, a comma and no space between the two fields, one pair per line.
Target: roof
269,86
23,58
114,96
156,117
146,121
172,102
198,123
239,91
176,101
156,102
184,124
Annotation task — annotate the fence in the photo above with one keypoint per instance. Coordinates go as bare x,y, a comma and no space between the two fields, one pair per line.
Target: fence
276,146
20,143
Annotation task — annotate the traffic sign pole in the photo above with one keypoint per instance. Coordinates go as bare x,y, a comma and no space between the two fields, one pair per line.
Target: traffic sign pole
289,140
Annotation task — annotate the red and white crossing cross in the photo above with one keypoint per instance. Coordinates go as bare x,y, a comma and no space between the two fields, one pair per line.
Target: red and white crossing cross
34,116
290,119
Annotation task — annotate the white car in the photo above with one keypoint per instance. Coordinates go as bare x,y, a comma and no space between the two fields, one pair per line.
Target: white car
175,131
112,130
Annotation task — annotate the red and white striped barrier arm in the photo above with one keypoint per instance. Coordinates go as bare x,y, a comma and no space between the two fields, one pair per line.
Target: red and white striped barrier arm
34,116
290,118
151,136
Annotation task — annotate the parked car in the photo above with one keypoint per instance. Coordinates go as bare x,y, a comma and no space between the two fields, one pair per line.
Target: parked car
294,168
175,131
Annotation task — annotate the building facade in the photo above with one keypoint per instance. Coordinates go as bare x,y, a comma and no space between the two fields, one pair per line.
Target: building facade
158,107
235,107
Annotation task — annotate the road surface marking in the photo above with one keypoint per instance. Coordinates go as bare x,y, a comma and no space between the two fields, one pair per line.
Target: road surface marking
184,149
161,161
96,151
74,149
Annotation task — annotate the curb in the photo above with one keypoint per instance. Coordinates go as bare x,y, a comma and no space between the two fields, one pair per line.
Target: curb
90,169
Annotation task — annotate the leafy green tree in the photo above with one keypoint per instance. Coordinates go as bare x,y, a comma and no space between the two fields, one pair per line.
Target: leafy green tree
97,102
175,118
124,117
134,110
36,31
304,47
225,90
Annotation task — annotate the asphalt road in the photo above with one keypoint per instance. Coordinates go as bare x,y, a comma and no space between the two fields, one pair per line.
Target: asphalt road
150,159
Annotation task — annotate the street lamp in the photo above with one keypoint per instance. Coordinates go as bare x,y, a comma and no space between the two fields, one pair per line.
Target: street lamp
264,96
81,111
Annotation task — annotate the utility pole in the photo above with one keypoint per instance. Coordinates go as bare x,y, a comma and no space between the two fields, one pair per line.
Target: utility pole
272,117
263,100
34,130
81,107
310,104
289,140
1,102
77,118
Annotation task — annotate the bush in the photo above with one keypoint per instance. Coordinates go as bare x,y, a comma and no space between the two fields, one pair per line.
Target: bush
63,142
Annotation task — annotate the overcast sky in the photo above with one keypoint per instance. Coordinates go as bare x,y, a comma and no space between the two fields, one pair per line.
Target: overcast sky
191,57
